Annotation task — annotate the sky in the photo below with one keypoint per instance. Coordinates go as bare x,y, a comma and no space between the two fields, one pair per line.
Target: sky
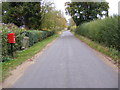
113,4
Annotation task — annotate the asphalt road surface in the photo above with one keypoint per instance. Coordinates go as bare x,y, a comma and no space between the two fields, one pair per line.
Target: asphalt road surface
68,63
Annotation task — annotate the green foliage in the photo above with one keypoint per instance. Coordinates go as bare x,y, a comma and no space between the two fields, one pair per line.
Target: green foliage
86,11
114,54
34,37
23,56
72,28
42,16
53,19
6,59
22,13
5,45
105,31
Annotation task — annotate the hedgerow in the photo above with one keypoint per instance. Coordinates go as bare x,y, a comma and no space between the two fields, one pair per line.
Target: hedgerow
34,37
105,31
5,45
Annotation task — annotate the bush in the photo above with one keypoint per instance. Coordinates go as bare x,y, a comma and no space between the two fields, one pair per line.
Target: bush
5,45
105,31
34,37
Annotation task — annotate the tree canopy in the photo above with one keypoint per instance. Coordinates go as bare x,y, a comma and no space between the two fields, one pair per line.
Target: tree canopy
33,15
22,13
53,19
86,11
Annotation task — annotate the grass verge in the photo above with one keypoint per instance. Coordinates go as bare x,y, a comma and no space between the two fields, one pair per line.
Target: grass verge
23,56
110,52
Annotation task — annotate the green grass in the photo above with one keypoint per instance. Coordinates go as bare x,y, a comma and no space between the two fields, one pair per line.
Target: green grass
23,56
110,52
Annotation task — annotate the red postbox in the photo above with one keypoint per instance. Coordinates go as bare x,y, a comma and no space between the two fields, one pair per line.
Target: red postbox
11,38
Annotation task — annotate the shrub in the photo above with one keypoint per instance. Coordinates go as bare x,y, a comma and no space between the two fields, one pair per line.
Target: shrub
34,37
5,45
105,31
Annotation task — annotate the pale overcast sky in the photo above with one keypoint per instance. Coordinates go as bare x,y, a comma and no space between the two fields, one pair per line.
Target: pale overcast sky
113,4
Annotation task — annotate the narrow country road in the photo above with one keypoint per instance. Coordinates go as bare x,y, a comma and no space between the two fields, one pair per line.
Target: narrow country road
68,63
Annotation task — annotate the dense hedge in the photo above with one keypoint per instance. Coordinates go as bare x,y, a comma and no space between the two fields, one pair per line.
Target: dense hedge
34,37
105,31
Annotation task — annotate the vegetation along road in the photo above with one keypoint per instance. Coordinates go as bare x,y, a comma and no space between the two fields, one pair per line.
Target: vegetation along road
68,63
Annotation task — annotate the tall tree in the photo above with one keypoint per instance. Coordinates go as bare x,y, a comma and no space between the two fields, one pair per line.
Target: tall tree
86,11
52,19
22,13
